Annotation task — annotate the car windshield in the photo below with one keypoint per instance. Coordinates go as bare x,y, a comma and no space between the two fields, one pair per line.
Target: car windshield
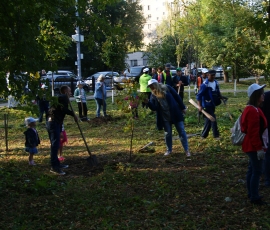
135,70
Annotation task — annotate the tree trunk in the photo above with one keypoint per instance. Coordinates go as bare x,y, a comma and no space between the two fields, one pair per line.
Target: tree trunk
226,76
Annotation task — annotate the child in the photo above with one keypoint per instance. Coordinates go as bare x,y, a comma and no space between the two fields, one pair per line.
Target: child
31,138
63,140
80,96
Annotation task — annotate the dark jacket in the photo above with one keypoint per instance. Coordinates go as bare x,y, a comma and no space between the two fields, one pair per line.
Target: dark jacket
205,94
176,79
266,108
59,112
31,138
167,77
175,103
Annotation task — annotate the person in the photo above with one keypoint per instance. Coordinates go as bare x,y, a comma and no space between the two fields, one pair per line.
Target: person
253,123
154,73
56,117
199,81
159,76
187,73
204,74
266,111
31,139
187,70
43,73
43,103
144,90
208,98
80,96
169,109
100,95
133,100
63,141
179,82
167,75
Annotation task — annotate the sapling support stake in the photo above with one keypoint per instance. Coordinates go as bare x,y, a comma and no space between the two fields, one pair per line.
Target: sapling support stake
131,138
6,130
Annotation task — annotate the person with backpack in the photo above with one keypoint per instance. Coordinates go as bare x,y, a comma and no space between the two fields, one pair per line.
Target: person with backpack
253,124
208,98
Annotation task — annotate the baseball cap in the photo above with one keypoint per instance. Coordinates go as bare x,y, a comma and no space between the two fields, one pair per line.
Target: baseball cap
145,70
178,69
212,72
80,83
168,65
253,88
204,70
152,81
30,120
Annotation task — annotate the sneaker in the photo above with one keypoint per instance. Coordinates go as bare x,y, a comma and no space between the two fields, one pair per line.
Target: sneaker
217,138
188,154
32,163
57,171
167,153
62,166
258,202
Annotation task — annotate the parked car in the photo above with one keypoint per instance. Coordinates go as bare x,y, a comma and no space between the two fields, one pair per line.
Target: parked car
62,73
120,81
136,71
108,78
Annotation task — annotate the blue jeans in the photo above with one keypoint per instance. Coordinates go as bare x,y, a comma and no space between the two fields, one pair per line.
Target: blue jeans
54,129
210,124
181,131
266,168
43,108
99,103
253,176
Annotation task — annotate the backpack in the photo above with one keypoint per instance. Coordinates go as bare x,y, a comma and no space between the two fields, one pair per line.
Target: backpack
237,136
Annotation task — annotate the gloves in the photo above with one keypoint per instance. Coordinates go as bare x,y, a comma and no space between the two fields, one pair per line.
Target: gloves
260,154
80,96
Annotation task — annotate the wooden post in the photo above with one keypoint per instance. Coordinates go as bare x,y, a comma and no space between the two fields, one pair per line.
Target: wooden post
6,130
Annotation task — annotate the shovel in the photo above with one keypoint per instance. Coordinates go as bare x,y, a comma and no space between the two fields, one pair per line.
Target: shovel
92,159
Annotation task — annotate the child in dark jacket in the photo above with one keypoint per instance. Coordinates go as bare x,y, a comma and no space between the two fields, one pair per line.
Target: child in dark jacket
31,138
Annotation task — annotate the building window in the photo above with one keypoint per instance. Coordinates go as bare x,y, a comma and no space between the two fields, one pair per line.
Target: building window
133,62
149,26
148,7
157,18
145,61
149,16
163,13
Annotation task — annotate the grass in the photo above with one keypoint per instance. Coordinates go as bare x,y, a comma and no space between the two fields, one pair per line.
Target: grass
151,192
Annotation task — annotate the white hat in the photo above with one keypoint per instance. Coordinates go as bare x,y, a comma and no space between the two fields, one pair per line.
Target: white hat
253,88
204,70
29,120
145,70
43,86
80,83
152,81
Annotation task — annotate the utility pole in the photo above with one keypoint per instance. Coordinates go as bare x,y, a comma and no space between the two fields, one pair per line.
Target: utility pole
78,39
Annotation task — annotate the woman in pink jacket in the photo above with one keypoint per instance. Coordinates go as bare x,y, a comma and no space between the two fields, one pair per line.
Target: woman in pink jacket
253,124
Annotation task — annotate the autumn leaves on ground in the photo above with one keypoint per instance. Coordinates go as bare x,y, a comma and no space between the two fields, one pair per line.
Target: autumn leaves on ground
206,191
